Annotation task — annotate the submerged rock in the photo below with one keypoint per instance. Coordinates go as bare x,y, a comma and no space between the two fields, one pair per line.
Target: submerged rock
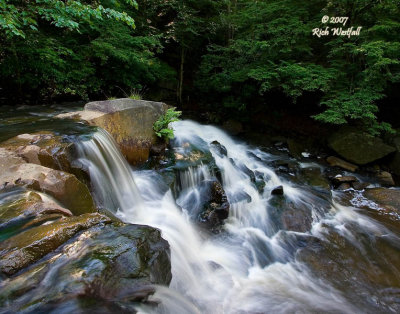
130,122
358,147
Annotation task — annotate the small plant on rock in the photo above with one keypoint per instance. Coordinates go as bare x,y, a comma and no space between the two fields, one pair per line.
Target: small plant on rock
161,126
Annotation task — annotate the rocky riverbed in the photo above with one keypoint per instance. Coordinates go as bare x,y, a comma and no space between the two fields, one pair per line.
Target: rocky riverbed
81,231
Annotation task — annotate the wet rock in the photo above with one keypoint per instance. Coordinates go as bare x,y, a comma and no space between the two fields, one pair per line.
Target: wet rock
344,186
130,122
358,147
20,209
359,185
218,148
115,265
296,220
385,178
335,161
285,215
63,186
395,162
216,209
46,149
296,148
27,247
386,197
277,190
314,176
343,182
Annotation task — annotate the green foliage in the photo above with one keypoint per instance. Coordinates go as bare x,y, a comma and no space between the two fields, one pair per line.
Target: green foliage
272,50
161,126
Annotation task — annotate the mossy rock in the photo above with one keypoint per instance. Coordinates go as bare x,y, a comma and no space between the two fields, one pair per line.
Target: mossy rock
358,147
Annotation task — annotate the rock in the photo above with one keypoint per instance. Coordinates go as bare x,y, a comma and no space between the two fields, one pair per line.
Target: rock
358,147
313,176
385,178
344,186
64,187
285,215
216,209
343,182
219,149
385,197
296,148
395,162
130,122
116,265
359,185
21,209
277,190
27,247
334,161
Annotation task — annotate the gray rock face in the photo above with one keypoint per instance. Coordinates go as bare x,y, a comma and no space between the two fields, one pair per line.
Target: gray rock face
360,148
116,105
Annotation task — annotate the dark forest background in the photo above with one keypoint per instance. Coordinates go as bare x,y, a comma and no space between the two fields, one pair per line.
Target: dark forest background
234,59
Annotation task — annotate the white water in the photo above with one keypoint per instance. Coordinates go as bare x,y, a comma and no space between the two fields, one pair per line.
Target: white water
251,267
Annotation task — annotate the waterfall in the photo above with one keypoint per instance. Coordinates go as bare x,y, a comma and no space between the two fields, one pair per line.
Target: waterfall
252,266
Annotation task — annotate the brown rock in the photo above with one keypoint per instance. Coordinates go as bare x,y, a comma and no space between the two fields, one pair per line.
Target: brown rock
385,197
130,122
335,161
27,247
63,186
385,178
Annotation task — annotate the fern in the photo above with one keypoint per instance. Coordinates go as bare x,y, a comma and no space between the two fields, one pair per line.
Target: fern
161,126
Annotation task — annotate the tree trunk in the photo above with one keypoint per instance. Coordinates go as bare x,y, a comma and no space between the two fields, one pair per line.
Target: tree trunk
180,85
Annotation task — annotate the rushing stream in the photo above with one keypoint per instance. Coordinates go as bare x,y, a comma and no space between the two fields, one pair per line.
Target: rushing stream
341,263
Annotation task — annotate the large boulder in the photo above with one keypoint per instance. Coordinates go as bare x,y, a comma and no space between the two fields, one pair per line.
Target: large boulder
130,122
358,147
64,187
27,247
395,162
105,269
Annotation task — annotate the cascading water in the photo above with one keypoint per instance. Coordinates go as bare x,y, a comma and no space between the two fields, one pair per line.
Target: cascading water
253,265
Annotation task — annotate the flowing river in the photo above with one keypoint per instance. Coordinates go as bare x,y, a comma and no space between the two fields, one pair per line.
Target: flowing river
305,252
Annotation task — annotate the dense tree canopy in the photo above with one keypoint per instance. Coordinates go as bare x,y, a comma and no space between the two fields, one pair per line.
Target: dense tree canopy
229,53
